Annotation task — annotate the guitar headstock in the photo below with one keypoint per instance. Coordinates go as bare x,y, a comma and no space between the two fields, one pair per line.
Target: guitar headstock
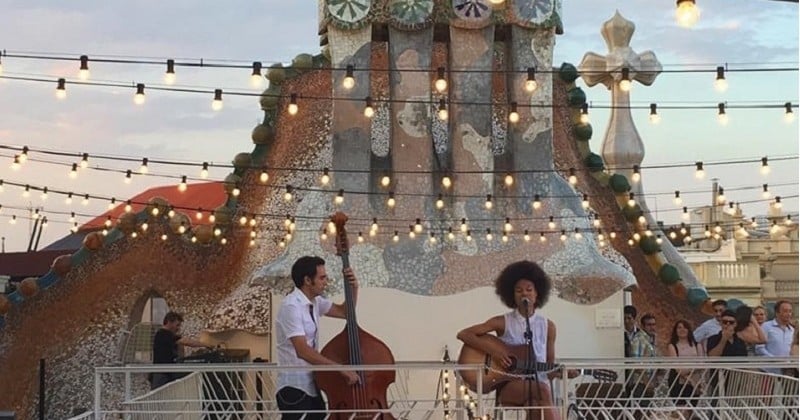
342,244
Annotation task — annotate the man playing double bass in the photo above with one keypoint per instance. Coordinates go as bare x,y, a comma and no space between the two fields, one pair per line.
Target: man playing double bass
298,337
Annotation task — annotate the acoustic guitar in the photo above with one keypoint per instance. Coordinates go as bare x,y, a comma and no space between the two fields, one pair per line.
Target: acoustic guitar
496,374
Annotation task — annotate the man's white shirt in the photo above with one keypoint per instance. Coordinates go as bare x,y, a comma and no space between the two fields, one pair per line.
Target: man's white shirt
294,320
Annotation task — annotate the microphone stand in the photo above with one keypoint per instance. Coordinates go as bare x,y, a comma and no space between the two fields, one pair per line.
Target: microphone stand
531,372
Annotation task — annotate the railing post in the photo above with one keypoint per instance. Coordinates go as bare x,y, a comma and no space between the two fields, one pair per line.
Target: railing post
97,394
480,394
564,396
127,386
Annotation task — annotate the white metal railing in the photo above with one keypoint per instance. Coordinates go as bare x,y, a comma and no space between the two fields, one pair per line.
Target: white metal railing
728,388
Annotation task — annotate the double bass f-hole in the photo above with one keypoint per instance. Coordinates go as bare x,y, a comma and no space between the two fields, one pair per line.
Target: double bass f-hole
354,346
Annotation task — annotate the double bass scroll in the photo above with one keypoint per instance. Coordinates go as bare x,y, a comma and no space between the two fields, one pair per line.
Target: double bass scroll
354,346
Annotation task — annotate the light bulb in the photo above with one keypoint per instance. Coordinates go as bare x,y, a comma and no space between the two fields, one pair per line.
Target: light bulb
216,104
764,166
138,98
678,200
439,202
349,82
625,81
720,83
386,180
83,72
699,173
61,89
687,13
264,177
537,203
654,117
339,199
442,113
722,116
513,115
530,83
292,108
325,179
169,75
256,80
204,171
441,82
788,116
182,186
446,182
488,204
390,202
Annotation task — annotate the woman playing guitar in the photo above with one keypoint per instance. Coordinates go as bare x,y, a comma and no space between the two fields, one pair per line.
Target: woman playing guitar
524,287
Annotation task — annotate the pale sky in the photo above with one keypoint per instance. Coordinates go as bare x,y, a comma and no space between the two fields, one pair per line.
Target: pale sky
182,126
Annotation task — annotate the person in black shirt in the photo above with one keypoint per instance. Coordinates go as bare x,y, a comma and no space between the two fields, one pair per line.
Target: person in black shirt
165,347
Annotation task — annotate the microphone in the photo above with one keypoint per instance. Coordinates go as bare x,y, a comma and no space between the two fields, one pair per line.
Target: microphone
526,302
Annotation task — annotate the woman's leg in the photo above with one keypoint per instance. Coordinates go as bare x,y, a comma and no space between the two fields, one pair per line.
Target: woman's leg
516,394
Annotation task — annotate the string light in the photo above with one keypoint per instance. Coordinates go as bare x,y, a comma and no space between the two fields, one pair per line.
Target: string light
441,82
631,200
84,161
563,236
720,83
765,193
325,179
551,224
722,116
526,236
439,202
390,202
699,173
293,108
23,156
764,166
360,238
27,192
85,200
788,116
396,237
216,104
61,88
508,180
255,77
585,114
112,203
287,196
721,196
83,71
572,178
507,227
204,171
369,112
654,117
585,201
15,164
349,82
636,177
489,235
138,98
685,214
687,13
625,81
488,204
530,83
169,75
182,186
464,228
447,182
264,177
537,202
778,202
578,234
418,226
450,234
542,238
339,197
678,200
442,113
128,177
143,169
513,115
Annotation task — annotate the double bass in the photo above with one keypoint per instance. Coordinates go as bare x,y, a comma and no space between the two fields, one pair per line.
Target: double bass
354,346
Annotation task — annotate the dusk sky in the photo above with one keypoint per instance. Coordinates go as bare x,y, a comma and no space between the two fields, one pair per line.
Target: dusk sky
744,34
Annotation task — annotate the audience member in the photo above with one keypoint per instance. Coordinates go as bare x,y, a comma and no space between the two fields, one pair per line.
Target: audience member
712,326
